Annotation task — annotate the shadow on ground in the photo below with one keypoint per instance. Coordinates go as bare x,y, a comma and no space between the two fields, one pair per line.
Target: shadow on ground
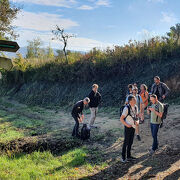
145,167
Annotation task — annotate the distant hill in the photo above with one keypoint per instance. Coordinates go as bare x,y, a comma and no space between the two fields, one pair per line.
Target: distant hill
23,51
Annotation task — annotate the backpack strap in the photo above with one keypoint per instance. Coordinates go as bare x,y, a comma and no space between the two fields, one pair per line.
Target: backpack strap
129,113
139,101
157,116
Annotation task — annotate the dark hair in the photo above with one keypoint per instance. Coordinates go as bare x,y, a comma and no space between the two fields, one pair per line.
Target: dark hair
157,77
153,96
130,97
130,86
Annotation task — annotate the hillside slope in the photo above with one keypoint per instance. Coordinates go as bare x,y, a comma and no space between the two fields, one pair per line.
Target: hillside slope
113,86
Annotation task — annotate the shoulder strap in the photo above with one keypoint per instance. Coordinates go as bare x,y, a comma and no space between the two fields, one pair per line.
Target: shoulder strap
129,114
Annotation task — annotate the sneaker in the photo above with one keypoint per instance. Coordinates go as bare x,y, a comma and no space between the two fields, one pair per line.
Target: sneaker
123,160
93,126
138,138
131,158
151,152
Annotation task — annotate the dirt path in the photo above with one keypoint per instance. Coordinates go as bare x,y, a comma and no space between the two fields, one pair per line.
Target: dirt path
106,142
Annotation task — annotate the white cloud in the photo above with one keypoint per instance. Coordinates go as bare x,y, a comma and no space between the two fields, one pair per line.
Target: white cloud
111,26
168,18
42,21
78,43
157,1
144,34
103,3
86,44
86,7
95,4
58,3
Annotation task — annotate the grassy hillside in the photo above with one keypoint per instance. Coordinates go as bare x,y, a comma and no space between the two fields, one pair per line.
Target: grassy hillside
55,82
113,88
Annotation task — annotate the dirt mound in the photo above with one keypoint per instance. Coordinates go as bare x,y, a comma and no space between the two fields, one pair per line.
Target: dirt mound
31,144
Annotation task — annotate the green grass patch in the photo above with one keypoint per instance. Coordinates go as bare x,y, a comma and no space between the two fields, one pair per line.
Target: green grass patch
43,165
8,132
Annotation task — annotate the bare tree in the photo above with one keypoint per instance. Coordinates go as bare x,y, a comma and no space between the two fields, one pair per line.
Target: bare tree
63,37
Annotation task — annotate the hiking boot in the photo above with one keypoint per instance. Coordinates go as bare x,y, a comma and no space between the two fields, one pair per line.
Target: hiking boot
123,160
131,158
141,121
138,138
151,152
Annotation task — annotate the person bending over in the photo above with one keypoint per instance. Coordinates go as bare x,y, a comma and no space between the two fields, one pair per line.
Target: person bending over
77,114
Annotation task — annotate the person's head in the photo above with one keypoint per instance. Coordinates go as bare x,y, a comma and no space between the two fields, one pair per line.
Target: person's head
153,98
86,101
95,87
157,79
132,100
135,90
143,87
135,84
130,86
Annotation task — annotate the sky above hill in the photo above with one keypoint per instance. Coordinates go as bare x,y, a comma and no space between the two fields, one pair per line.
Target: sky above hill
96,23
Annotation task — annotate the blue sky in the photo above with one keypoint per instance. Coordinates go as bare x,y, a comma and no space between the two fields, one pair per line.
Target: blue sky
96,23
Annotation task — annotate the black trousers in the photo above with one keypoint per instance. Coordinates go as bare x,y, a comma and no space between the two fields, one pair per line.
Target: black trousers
76,126
128,141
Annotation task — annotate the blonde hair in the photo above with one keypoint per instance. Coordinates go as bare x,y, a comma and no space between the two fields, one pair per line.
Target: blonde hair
95,86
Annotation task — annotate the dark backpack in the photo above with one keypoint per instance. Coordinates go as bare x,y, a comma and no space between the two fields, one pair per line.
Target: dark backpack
85,132
122,108
165,112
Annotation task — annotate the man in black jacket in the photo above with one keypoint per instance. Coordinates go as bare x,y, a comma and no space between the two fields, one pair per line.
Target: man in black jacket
160,89
95,99
76,112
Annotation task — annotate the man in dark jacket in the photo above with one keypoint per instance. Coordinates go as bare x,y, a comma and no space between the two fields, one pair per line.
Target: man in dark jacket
160,89
76,112
95,99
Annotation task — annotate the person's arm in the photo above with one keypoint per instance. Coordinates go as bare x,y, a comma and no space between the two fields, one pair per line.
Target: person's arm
152,89
166,89
148,111
146,96
90,95
75,110
157,113
141,104
124,122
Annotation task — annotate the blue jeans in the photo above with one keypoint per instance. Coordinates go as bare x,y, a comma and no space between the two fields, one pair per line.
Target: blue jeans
154,131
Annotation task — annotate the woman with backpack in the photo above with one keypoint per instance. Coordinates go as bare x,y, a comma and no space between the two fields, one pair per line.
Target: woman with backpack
145,96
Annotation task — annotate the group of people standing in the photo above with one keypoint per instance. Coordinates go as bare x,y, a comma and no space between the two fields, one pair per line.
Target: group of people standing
133,114
136,102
